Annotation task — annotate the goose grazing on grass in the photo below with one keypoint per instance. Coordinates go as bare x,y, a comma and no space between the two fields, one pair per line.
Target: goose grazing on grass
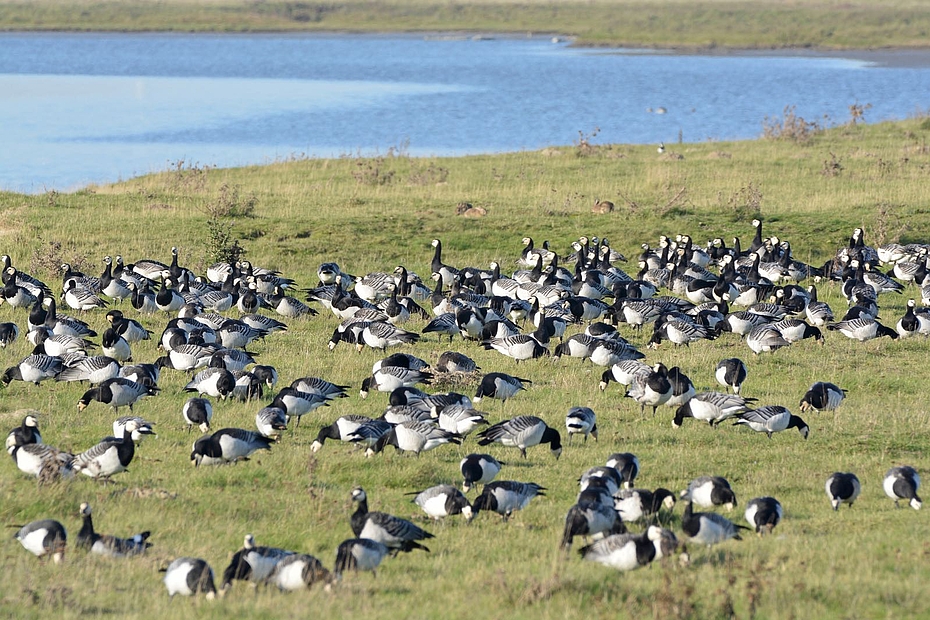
763,514
298,571
624,373
215,380
117,392
500,386
107,545
624,552
40,460
190,576
478,469
628,466
708,528
765,339
862,329
9,332
44,537
459,419
588,519
95,369
581,421
902,483
315,385
731,373
389,378
453,361
228,445
296,404
143,428
199,412
442,501
842,488
822,396
35,368
640,504
341,430
606,477
712,407
506,496
651,390
359,554
413,436
772,419
271,421
710,491
378,335
252,563
130,329
109,457
522,432
395,533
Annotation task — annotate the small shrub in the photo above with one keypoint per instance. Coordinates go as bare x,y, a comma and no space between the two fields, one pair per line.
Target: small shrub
745,203
431,174
221,246
228,203
48,256
857,113
585,146
832,167
186,176
789,127
371,172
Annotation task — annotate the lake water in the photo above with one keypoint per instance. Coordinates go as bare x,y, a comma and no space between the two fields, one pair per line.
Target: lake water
95,108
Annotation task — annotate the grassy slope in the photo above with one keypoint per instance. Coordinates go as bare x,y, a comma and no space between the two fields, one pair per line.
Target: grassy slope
673,23
860,562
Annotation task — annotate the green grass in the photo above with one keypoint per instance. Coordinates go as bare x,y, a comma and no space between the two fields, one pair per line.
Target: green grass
707,24
867,561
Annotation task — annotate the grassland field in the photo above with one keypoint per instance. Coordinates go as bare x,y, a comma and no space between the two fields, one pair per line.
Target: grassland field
372,214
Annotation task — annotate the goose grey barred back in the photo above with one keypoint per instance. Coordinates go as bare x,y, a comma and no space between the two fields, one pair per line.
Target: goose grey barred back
710,491
40,460
252,563
401,360
453,361
500,386
862,329
822,396
297,572
414,436
902,482
609,476
624,552
95,369
34,368
478,469
228,445
772,419
359,554
270,421
763,514
794,330
842,488
522,432
581,421
109,457
589,519
624,373
459,419
368,433
143,428
652,390
443,500
297,404
80,298
394,532
340,430
506,497
44,537
712,407
610,352
708,528
731,373
146,374
117,392
389,378
444,324
105,544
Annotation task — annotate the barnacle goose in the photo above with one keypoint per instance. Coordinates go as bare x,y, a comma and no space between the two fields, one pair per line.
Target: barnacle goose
443,500
197,411
35,368
110,456
588,519
414,436
459,419
628,466
341,430
710,491
772,419
763,514
624,552
453,361
712,407
188,576
143,428
27,432
842,488
500,386
252,563
581,420
298,571
731,373
270,421
765,338
651,390
862,329
822,396
624,373
40,460
104,544
227,445
902,482
117,392
638,504
359,554
95,369
44,537
389,378
911,324
682,387
396,533
296,404
478,469
708,528
506,496
114,345
522,432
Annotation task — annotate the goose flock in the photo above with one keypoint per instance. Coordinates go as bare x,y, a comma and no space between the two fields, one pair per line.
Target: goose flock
542,312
